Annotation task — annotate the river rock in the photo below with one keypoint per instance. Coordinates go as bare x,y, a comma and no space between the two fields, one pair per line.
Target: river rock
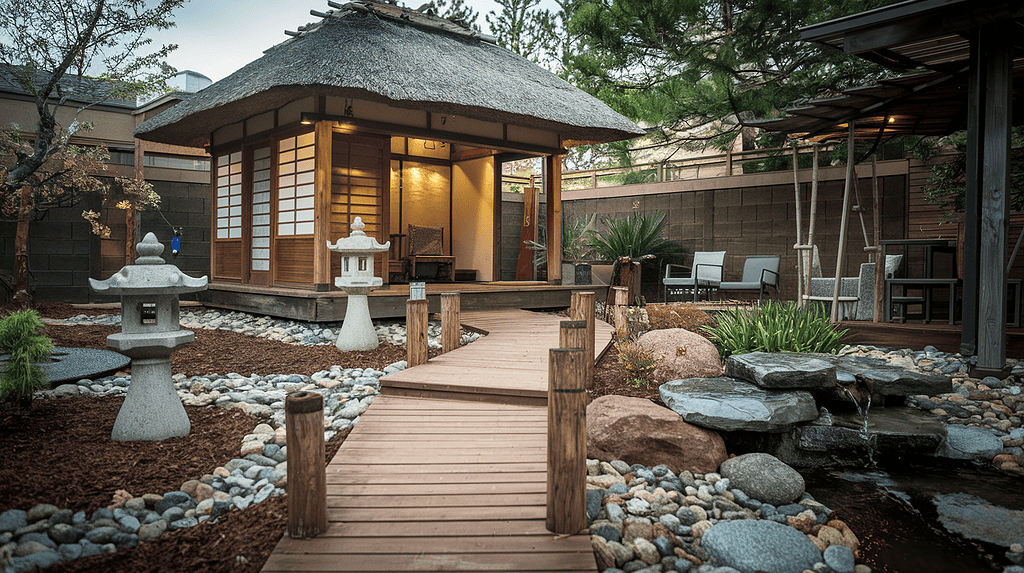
778,370
728,404
764,478
684,354
750,546
638,431
976,518
970,442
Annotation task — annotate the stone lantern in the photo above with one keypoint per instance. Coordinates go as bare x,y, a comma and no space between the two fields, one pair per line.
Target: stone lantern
357,280
150,331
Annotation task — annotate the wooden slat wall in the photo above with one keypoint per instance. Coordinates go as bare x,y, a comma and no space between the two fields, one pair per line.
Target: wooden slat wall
293,260
357,190
229,260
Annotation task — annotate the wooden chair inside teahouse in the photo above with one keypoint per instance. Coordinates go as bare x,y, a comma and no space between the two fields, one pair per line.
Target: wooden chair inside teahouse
426,254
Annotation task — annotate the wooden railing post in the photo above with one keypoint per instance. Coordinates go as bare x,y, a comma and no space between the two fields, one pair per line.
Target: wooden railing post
567,442
620,318
416,332
451,329
307,466
573,334
582,308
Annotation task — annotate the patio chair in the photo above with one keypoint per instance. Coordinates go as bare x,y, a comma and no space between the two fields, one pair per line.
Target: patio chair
705,275
759,272
856,294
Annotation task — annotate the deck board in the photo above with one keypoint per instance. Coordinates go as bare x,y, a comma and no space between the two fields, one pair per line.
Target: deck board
440,484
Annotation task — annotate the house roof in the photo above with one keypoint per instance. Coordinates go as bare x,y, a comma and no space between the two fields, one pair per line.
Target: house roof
403,58
79,89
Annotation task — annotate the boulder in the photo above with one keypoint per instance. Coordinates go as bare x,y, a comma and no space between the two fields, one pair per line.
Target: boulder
729,404
970,442
781,370
764,478
750,546
638,431
884,378
684,354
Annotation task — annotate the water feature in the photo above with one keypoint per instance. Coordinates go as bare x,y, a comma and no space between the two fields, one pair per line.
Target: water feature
891,510
864,432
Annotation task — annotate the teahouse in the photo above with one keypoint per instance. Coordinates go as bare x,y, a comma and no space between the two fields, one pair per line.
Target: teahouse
389,114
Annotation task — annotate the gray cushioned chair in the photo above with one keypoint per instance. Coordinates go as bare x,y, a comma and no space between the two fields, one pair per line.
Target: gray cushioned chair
759,272
704,275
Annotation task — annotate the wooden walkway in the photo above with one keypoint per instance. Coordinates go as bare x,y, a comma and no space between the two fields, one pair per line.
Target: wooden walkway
456,484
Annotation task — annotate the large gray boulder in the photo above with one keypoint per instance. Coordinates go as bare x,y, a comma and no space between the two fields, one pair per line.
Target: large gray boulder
976,518
970,443
781,370
752,546
729,404
764,478
638,431
883,378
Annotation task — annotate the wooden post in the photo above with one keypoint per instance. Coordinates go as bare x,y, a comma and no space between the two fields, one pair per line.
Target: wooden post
451,329
572,334
324,138
553,210
851,172
525,269
799,225
876,205
416,332
307,468
582,308
619,317
567,442
810,224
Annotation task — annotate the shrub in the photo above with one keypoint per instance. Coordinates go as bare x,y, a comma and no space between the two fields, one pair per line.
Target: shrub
678,315
638,360
774,327
20,338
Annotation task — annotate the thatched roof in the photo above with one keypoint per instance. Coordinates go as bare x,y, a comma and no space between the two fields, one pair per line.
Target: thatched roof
402,58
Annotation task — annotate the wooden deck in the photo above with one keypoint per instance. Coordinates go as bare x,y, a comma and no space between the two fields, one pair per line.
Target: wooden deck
914,334
456,484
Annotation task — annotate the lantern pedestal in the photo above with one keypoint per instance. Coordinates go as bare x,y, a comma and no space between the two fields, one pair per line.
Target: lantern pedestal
357,332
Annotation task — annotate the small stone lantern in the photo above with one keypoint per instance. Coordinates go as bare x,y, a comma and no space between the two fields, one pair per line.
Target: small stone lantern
150,331
357,280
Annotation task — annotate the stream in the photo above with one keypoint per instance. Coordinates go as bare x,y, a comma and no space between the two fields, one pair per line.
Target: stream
892,513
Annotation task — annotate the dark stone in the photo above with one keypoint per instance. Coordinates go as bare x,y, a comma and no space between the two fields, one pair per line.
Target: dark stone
102,535
594,499
173,499
664,545
607,531
781,371
760,545
729,404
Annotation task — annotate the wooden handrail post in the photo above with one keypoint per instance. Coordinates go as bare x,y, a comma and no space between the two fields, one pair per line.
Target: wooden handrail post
619,312
567,442
582,308
416,332
451,329
573,334
307,468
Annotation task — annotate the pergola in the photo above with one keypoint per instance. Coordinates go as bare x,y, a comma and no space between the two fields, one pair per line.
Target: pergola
968,55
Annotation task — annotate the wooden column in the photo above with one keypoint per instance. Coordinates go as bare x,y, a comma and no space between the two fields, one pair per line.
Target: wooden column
572,334
416,332
997,54
131,221
567,442
972,202
451,328
322,207
307,466
553,189
582,308
525,269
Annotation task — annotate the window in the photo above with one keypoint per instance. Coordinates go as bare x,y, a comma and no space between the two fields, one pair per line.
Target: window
295,198
229,196
261,164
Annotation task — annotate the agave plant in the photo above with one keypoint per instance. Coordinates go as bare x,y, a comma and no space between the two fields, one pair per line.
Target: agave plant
634,237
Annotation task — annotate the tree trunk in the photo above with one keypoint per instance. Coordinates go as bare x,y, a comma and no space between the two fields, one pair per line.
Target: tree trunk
21,293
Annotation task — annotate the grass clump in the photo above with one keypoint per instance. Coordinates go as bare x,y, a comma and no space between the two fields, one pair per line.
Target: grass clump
774,327
677,315
20,338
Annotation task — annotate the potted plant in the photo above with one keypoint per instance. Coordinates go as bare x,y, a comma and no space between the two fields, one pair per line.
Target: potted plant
576,248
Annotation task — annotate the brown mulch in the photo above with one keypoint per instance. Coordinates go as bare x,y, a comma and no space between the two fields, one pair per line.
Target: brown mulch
60,451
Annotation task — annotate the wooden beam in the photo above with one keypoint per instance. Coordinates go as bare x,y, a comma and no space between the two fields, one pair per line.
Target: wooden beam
322,206
972,205
553,189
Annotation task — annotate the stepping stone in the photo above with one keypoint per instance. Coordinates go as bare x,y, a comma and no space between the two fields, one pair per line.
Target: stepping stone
73,364
729,404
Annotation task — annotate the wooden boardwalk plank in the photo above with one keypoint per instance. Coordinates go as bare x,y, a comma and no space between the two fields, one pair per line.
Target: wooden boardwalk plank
454,480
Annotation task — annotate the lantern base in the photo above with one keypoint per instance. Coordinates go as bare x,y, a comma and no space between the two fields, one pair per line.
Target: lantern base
357,332
152,410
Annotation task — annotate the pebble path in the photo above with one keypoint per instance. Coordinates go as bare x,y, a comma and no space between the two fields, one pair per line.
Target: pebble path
45,534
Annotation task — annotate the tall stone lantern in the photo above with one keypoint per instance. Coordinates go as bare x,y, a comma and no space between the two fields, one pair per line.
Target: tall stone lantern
150,331
357,280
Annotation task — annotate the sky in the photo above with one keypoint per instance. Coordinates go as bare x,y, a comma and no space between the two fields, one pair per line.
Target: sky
217,37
